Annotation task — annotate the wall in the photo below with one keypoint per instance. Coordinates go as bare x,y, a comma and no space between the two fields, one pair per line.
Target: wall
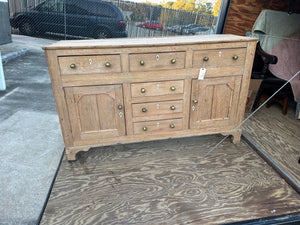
5,36
243,13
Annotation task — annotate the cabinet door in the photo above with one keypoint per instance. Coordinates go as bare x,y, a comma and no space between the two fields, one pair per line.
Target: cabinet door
96,112
214,102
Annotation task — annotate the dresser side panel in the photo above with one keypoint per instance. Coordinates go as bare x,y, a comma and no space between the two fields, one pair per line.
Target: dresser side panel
59,95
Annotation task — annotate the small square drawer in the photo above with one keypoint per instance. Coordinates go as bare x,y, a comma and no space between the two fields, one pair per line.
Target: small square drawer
222,57
156,88
157,61
89,64
157,108
158,126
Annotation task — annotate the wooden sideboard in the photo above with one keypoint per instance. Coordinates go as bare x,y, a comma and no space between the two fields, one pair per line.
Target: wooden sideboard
119,91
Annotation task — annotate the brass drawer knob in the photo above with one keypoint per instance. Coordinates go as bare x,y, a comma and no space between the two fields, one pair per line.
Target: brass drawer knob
144,110
195,101
143,90
205,58
142,62
144,128
72,66
172,125
172,107
235,57
107,64
120,107
173,61
173,88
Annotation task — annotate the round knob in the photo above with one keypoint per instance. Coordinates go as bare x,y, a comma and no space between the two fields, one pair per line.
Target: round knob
143,90
173,61
195,101
172,125
172,107
172,88
120,107
205,58
144,128
142,62
72,66
107,64
144,110
235,57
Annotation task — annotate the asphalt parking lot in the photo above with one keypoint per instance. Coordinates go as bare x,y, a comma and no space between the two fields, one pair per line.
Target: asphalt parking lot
31,143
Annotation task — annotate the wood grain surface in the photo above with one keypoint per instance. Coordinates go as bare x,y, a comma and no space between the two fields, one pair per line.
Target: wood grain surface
278,136
243,13
144,42
142,183
157,71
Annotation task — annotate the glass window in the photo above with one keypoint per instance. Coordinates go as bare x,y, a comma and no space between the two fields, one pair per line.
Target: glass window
102,10
73,9
52,6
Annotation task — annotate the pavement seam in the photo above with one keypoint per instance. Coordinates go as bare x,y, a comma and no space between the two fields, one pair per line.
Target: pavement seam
9,93
12,55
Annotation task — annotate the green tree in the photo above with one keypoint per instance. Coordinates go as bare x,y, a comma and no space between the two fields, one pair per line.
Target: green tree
178,5
209,8
167,5
205,8
190,6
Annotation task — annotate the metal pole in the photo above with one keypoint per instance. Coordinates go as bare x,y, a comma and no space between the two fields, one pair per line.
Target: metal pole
65,20
2,78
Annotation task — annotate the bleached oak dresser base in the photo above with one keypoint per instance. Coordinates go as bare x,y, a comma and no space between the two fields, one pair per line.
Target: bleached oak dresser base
130,90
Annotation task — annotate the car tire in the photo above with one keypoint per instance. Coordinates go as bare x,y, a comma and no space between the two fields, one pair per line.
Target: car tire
102,33
26,27
144,26
157,28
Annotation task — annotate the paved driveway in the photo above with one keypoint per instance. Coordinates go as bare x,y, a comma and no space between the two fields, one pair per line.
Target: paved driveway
31,143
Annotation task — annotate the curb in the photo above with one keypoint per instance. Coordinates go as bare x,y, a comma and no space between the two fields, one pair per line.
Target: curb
12,55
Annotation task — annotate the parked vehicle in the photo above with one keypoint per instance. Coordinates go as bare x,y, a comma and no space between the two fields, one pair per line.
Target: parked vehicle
183,28
202,30
187,29
173,28
152,25
178,28
89,18
194,28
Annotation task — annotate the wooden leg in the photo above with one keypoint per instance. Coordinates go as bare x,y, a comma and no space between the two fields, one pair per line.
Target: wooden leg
71,155
285,105
282,102
72,151
270,102
236,137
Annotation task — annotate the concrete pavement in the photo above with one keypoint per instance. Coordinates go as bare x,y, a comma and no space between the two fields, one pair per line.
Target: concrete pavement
31,144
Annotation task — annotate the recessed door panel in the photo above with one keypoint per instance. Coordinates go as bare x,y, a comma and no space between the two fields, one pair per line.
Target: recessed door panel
96,111
214,101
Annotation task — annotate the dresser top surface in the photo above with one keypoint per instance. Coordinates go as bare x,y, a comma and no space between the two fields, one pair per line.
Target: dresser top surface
148,42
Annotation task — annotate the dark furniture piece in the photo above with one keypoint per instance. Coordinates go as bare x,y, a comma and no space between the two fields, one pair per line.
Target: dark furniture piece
270,83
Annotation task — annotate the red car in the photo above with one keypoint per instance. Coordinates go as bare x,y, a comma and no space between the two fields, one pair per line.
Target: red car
152,25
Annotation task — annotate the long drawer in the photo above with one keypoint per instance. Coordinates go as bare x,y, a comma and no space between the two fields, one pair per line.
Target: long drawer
221,57
157,108
157,126
157,88
156,61
89,64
